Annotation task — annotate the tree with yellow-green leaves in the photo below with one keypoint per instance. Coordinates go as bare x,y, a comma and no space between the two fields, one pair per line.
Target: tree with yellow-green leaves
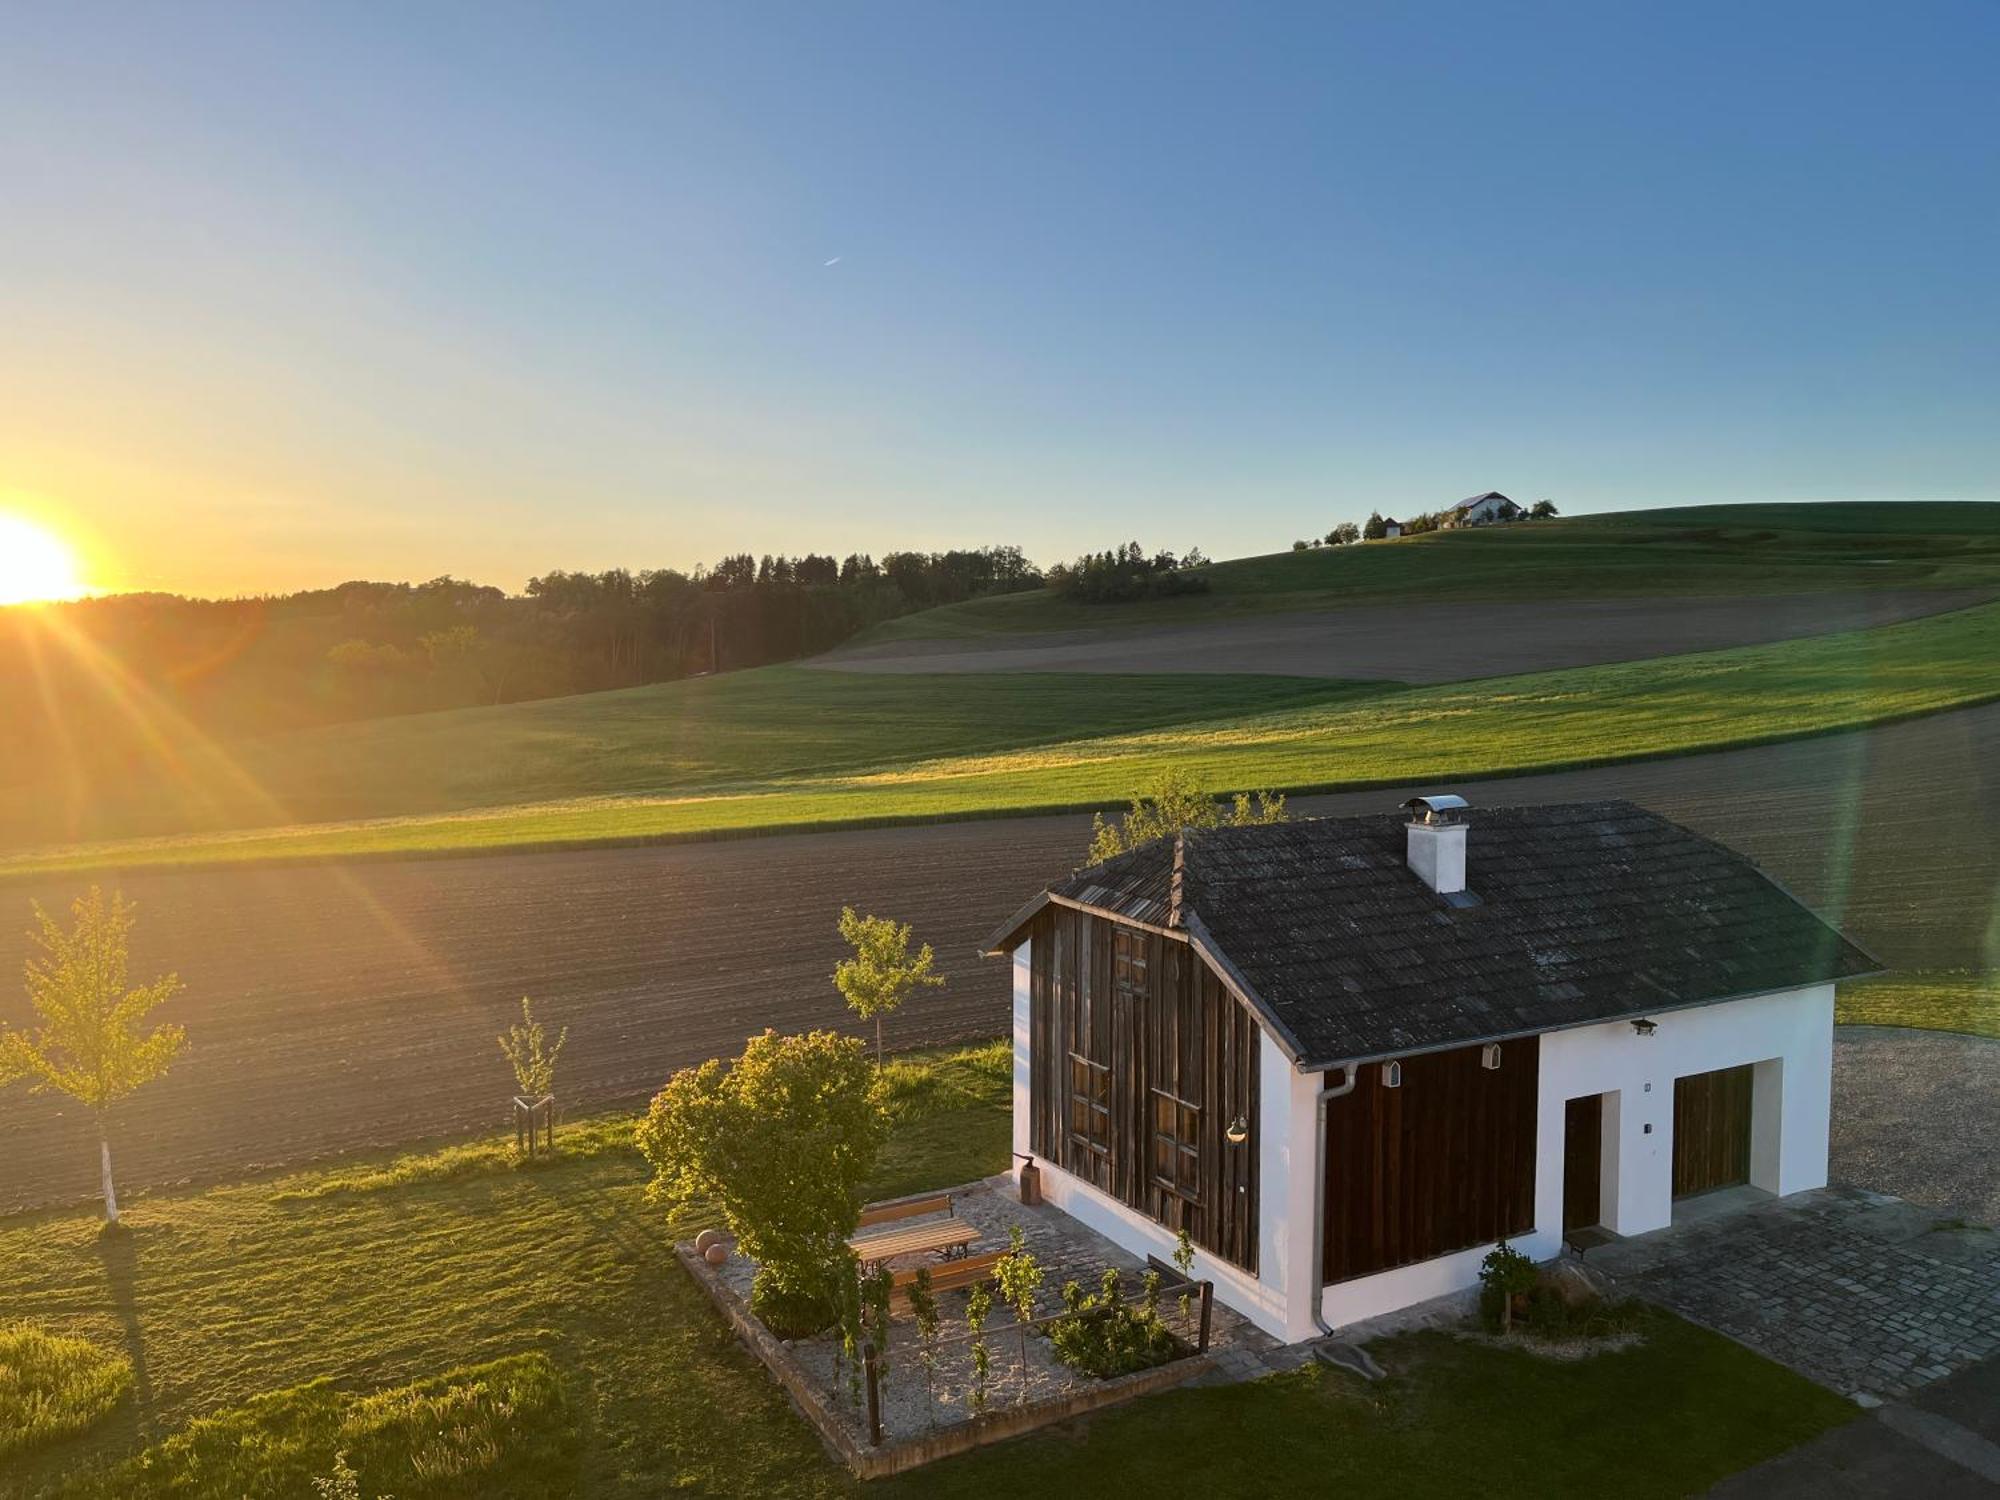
883,972
1172,803
92,1042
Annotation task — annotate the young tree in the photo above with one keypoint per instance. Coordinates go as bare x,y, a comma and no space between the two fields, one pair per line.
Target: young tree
781,1141
1019,1276
525,1045
91,1043
1343,535
883,972
1171,804
1542,510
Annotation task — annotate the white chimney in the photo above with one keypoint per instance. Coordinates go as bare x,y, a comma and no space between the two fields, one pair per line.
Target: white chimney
1437,842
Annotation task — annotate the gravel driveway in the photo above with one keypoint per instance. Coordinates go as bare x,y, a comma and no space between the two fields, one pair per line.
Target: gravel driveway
1914,1114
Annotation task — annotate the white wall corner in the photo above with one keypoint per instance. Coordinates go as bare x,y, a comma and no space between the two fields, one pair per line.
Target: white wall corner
1023,1047
1287,1160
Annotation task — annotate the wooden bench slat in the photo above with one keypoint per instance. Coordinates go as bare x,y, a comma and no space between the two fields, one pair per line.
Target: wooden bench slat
903,1208
949,1277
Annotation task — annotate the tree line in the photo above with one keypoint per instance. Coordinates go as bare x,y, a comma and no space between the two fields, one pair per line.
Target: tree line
91,680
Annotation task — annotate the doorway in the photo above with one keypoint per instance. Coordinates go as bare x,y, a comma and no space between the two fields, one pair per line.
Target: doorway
1583,1160
1712,1130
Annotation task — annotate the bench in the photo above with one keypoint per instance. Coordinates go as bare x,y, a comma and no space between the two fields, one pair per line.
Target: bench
891,1209
952,1276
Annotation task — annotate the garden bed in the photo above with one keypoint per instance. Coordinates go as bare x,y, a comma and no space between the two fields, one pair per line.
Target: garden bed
927,1410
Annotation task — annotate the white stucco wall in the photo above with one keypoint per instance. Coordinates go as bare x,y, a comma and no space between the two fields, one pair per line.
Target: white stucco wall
1788,1036
1023,1045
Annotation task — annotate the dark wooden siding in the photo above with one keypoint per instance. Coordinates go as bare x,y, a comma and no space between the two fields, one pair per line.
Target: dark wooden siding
1712,1130
1443,1163
1172,1044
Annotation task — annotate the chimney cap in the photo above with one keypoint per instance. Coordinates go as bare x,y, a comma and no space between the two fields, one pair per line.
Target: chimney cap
1438,808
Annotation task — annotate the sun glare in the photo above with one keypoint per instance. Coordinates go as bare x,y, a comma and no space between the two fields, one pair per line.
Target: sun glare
35,564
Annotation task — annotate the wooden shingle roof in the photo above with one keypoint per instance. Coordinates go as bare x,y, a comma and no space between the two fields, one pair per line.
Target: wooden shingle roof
1587,912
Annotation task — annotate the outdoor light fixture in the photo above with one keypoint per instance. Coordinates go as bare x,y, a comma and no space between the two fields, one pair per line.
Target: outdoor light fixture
1645,1028
1489,1057
1237,1132
1392,1075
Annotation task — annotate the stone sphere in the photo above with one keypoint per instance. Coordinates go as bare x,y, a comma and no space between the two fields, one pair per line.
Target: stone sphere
706,1238
716,1254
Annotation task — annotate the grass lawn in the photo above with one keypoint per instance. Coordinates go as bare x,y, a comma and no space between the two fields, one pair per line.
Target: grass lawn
1965,1000
394,1276
1718,549
790,748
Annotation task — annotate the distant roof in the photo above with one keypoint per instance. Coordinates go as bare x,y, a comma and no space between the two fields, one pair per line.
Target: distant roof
1587,912
1467,504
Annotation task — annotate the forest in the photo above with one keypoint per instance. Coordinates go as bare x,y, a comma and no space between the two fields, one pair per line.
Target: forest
108,680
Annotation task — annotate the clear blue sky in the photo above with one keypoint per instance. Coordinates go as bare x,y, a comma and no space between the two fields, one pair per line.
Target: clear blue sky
290,294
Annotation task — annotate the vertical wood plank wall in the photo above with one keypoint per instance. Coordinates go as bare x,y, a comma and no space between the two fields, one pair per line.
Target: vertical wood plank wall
1442,1163
1182,1030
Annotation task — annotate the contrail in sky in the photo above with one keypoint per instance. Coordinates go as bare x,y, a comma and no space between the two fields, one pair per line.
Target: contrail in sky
834,262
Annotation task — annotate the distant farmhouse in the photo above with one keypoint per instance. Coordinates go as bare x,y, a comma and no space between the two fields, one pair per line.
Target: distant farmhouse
1348,1055
1482,510
1391,527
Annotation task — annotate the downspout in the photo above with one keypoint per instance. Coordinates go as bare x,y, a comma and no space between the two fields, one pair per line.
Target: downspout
1317,1270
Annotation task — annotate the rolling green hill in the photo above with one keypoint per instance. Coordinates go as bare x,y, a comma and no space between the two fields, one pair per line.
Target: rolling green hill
1716,549
789,748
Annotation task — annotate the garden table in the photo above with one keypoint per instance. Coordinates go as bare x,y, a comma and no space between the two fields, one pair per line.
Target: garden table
944,1236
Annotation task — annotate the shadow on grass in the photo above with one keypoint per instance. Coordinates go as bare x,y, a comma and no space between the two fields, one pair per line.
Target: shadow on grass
118,1253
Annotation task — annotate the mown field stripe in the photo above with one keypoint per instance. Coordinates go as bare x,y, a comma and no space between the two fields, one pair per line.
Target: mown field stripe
1534,724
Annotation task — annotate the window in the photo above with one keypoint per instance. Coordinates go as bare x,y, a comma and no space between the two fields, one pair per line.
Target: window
1089,1108
1128,961
1177,1146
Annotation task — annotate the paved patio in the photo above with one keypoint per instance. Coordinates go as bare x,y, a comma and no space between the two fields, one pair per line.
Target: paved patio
1870,1295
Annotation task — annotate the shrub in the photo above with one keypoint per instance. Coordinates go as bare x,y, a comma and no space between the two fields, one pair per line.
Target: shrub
780,1141
54,1387
790,1311
1104,1335
1505,1274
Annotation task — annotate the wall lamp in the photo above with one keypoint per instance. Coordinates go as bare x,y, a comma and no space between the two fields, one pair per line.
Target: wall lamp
1237,1131
1645,1028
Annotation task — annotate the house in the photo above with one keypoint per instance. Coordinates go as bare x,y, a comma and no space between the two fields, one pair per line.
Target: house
1391,527
1348,1055
1482,510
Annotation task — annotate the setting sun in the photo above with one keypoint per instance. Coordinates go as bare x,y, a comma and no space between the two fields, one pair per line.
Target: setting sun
34,564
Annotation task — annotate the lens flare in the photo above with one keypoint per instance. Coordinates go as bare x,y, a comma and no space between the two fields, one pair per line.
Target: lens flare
34,564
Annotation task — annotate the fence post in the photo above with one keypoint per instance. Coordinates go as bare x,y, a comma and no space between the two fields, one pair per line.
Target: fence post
1207,1306
874,1394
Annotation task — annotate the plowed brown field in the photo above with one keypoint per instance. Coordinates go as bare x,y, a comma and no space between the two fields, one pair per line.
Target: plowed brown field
341,1007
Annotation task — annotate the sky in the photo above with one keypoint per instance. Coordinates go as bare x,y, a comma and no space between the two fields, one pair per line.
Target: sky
293,294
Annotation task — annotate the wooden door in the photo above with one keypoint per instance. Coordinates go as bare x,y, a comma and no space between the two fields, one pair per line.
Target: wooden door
1711,1130
1583,1152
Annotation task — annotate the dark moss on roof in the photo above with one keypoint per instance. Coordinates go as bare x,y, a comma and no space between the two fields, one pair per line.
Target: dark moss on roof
1587,912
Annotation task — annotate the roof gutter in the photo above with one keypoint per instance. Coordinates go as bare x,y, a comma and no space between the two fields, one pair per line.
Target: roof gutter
1321,1065
1317,1268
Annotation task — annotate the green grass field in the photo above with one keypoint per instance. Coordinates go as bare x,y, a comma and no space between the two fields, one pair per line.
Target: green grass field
365,1305
790,748
1966,1000
1697,550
